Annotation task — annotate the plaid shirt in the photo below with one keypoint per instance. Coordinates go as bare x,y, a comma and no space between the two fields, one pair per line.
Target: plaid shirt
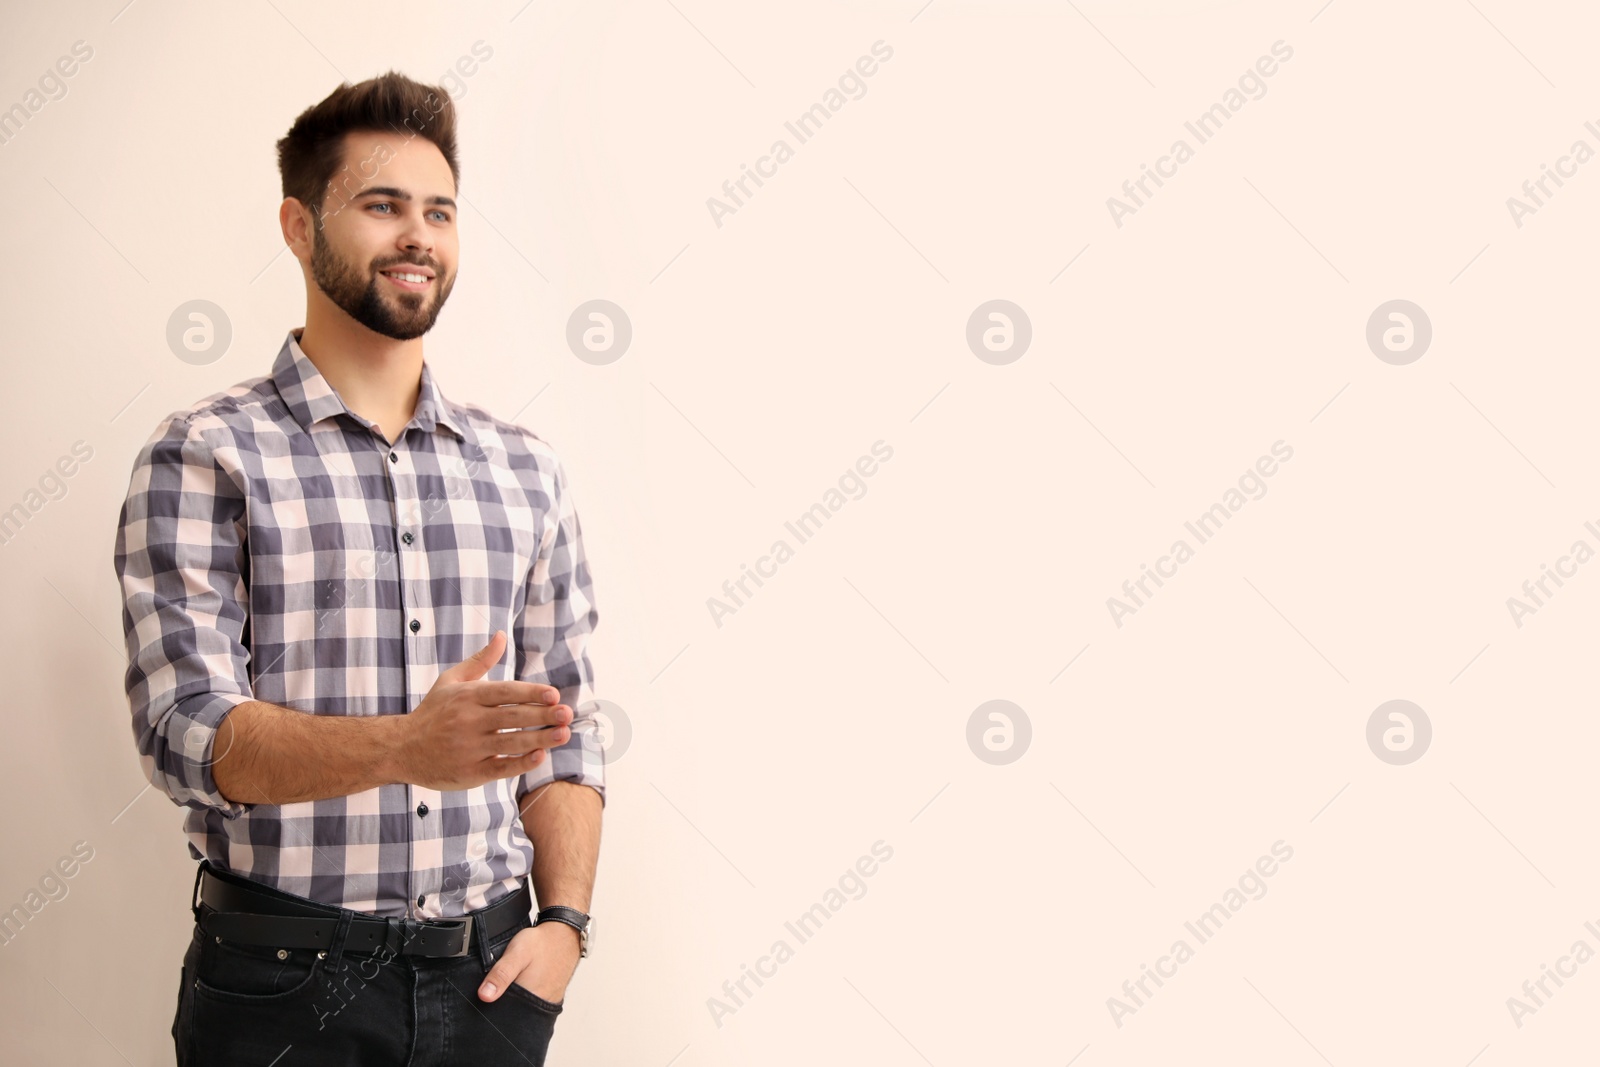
274,547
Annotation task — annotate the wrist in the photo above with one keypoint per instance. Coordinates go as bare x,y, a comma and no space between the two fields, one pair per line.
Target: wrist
567,934
576,922
394,748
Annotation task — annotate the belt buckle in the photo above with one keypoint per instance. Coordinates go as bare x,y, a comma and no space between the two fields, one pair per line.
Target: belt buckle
466,936
404,931
410,930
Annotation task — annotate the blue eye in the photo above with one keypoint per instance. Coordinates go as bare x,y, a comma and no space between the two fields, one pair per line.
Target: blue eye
381,204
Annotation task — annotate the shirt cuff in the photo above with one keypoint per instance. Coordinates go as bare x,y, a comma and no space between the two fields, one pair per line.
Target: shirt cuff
191,731
580,759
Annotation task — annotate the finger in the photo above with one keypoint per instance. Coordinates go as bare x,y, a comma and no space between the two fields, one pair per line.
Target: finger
524,742
477,664
508,767
505,969
528,716
503,766
492,693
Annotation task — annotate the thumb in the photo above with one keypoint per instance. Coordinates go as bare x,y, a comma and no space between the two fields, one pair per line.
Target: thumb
505,970
477,665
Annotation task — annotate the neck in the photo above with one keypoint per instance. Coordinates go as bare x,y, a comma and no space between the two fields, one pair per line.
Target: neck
378,377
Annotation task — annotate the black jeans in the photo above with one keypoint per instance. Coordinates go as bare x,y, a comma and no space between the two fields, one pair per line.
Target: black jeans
242,1005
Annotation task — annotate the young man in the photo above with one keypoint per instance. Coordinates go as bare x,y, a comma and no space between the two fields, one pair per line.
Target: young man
320,568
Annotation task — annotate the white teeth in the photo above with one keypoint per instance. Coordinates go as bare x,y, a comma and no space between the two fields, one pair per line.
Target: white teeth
407,277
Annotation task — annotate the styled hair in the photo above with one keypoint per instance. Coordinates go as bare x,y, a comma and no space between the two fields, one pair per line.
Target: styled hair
312,152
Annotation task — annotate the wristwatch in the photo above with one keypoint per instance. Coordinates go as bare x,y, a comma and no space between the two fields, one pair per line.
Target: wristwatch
573,918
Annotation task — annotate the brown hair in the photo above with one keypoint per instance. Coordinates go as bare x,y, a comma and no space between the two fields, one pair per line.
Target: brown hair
312,152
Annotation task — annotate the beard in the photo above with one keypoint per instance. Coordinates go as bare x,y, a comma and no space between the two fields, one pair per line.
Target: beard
400,314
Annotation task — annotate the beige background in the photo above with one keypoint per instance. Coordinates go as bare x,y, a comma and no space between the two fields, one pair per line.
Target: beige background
769,353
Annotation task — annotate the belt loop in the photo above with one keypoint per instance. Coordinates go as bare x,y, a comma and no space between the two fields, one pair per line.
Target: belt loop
194,894
480,934
336,947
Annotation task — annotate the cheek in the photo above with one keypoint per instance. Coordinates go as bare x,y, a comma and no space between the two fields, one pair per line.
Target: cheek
447,251
354,241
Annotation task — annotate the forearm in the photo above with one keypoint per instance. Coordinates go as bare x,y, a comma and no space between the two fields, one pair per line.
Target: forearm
266,754
562,819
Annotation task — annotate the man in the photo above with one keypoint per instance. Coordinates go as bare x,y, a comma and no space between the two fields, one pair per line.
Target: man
321,568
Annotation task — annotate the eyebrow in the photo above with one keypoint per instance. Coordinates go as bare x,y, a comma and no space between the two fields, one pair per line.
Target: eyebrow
400,194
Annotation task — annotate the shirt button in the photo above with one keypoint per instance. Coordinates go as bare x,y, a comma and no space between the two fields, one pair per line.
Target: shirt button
415,625
420,899
422,811
406,537
393,458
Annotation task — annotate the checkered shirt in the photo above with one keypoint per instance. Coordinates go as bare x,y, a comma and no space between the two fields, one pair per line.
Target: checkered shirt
273,546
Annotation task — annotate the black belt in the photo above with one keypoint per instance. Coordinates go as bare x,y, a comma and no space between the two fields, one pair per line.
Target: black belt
239,911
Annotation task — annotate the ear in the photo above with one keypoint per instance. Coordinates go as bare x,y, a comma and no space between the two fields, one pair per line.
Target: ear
297,222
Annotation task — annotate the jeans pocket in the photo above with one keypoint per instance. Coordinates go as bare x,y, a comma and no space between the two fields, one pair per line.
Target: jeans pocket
552,1008
497,948
248,1005
240,973
182,1017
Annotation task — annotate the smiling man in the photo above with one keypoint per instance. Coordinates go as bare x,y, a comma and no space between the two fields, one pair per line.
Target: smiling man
320,569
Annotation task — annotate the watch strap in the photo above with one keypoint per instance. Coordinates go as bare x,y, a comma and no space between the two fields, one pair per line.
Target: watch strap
572,917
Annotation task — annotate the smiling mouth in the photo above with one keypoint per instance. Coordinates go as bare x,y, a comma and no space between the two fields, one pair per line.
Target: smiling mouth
411,281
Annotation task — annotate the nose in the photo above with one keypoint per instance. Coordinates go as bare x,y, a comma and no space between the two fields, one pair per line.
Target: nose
417,237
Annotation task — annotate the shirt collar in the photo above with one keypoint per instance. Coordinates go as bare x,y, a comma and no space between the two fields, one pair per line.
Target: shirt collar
311,398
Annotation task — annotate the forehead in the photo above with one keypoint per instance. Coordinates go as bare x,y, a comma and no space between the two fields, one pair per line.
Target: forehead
386,158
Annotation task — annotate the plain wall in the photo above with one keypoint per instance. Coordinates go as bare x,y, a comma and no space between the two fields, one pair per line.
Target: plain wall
1168,748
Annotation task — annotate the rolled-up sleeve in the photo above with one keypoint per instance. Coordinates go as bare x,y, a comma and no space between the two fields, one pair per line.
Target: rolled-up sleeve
181,561
552,643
